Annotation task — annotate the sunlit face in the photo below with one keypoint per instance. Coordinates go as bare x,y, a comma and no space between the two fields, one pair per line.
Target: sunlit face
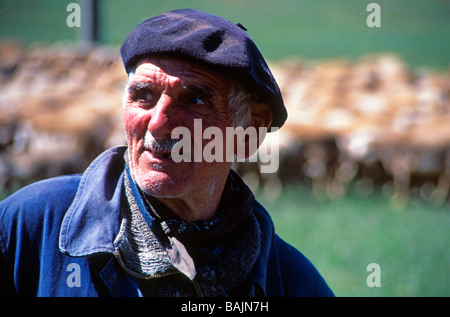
163,94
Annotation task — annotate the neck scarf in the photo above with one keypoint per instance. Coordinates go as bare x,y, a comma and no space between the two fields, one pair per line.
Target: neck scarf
224,247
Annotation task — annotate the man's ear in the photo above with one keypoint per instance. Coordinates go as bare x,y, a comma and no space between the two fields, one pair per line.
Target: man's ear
261,117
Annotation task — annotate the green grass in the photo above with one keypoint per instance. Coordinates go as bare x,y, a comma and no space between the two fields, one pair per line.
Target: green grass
341,237
415,29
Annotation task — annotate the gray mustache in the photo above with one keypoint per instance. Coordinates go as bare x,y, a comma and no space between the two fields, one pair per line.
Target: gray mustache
158,145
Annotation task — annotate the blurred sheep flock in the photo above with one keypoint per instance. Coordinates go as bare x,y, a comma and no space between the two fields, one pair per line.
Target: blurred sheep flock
373,122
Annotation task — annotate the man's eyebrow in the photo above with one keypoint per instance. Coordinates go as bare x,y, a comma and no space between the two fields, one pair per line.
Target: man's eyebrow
138,86
202,91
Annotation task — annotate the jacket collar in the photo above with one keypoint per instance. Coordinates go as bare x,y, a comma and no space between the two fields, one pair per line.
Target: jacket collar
93,219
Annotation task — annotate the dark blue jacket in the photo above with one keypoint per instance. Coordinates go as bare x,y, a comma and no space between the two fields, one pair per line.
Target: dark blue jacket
56,239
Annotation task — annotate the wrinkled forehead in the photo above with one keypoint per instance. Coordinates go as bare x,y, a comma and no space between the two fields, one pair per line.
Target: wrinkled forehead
175,70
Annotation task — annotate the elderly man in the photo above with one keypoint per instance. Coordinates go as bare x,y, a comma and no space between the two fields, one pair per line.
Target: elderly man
139,223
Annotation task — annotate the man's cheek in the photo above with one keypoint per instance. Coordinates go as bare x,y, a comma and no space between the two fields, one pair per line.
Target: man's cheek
134,125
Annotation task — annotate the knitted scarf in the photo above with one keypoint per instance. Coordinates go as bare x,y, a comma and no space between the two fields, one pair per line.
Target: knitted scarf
168,255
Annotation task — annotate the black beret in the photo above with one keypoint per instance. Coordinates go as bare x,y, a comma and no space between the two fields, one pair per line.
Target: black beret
209,40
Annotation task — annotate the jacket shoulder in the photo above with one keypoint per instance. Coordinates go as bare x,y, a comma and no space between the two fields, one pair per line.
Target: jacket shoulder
299,276
28,209
57,190
288,272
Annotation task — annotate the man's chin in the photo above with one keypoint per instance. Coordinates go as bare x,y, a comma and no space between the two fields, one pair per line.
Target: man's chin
160,184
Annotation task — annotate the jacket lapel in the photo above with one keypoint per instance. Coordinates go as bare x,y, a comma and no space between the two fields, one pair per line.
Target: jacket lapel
93,219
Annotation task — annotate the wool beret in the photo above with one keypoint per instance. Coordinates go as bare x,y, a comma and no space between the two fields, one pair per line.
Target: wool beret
211,41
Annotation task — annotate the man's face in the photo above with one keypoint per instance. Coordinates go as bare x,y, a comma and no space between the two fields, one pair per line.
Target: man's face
163,94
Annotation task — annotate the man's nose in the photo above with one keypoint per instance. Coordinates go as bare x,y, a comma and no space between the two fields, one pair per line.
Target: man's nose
161,122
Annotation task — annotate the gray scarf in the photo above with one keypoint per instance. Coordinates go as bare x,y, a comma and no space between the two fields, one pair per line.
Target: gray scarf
169,256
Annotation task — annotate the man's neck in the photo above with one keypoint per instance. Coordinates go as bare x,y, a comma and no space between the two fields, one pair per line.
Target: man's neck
200,206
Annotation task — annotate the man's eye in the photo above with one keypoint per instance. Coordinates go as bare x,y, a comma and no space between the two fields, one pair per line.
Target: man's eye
196,101
143,95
